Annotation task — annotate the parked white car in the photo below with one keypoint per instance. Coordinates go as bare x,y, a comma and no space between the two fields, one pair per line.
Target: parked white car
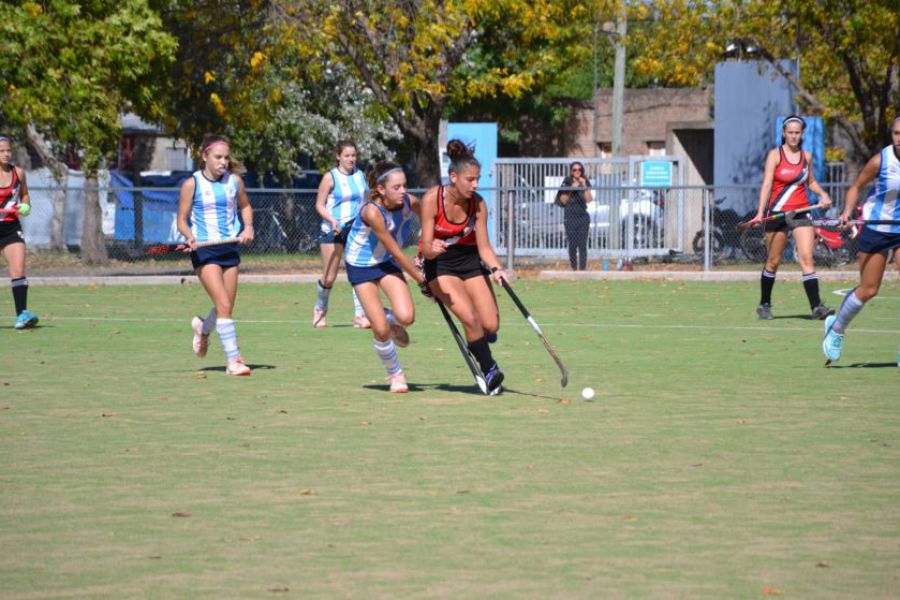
540,223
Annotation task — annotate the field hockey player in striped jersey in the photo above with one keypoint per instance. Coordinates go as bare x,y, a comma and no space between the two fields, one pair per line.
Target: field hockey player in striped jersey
788,174
374,260
207,213
15,203
459,258
342,192
875,242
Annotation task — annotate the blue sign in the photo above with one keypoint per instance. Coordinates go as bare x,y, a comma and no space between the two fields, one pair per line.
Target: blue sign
656,173
484,137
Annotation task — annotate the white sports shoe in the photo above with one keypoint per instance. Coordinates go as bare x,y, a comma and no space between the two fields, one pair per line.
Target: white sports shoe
361,322
398,383
237,368
201,341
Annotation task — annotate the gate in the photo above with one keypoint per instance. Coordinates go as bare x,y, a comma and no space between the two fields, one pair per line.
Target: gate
626,219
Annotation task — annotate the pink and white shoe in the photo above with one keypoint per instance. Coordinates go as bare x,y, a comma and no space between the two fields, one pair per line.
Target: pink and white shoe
201,340
319,318
398,383
361,322
237,368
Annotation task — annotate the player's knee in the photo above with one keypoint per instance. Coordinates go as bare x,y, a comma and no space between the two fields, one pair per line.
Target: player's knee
381,331
491,325
405,317
867,292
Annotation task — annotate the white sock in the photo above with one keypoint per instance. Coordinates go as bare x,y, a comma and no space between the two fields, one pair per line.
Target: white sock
388,353
322,293
356,305
209,323
390,316
228,336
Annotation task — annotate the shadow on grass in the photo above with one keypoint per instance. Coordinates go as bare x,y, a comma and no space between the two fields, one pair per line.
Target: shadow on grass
804,317
253,367
32,328
864,365
462,389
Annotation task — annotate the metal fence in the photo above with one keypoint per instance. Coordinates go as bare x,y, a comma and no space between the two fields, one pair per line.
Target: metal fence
679,225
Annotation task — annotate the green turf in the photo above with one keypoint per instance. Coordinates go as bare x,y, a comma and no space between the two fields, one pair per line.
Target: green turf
719,460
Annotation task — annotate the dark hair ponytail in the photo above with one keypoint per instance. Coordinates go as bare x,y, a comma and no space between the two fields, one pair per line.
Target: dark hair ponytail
461,156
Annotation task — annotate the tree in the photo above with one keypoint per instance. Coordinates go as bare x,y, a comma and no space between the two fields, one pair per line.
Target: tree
413,55
70,69
849,53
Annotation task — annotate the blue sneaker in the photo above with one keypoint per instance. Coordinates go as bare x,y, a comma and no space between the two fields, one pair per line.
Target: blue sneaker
26,319
832,342
493,379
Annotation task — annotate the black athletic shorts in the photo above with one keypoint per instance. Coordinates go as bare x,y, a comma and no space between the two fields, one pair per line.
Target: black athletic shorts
459,261
783,225
226,255
11,233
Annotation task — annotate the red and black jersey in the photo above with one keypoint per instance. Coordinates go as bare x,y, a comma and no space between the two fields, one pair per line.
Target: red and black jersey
451,233
9,196
789,184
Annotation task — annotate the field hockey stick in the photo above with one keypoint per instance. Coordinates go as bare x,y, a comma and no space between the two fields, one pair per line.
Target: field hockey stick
163,249
786,215
839,223
537,329
464,349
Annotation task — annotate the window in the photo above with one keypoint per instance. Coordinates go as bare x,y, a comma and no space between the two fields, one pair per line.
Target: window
656,148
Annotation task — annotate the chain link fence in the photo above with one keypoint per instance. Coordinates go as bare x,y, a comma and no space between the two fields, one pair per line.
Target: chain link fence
697,227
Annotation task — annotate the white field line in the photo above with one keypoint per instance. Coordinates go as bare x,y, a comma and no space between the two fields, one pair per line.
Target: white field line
305,322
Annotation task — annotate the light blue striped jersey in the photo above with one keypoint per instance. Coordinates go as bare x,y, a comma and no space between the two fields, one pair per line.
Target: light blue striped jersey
882,203
214,210
346,197
364,249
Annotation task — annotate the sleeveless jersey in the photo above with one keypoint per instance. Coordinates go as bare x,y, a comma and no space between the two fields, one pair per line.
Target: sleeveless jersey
214,210
9,197
454,234
364,249
346,197
789,184
882,202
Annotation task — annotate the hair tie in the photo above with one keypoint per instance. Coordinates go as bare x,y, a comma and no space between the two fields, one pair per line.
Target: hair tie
383,177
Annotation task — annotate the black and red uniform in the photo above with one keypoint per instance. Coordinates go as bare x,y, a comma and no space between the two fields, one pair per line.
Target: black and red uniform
10,227
461,258
788,189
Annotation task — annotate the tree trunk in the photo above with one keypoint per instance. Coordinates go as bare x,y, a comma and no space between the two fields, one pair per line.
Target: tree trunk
425,139
93,246
60,173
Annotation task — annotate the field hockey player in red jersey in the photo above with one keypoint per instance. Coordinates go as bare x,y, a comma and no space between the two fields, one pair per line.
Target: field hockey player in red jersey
14,203
459,258
374,261
788,174
208,213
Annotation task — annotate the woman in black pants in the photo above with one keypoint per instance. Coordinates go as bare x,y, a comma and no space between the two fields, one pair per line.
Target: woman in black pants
573,196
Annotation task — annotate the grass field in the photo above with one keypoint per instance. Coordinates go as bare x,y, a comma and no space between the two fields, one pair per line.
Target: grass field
719,459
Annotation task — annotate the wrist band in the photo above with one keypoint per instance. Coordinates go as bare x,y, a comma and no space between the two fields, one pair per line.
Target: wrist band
494,269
